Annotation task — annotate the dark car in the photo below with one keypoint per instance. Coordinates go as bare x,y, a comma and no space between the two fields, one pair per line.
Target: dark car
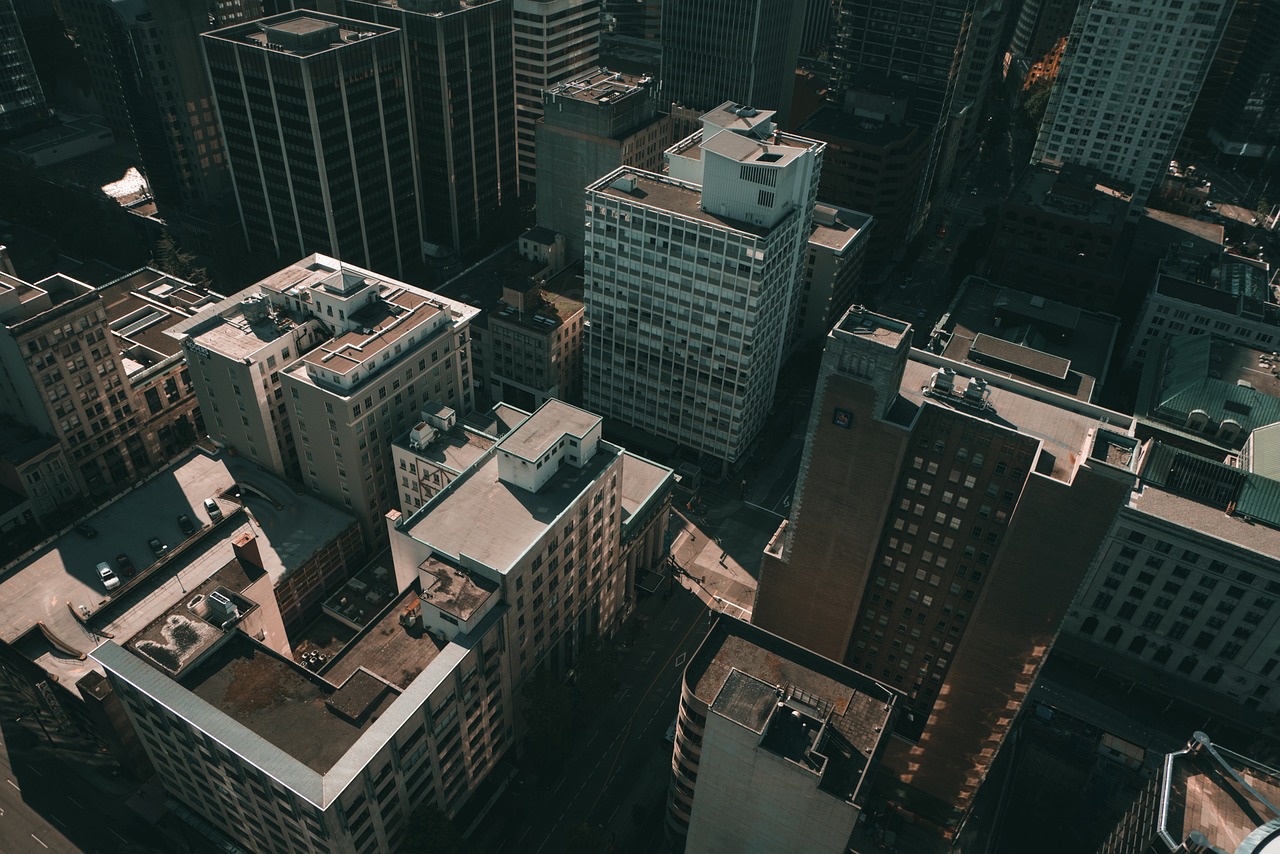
86,531
157,548
184,522
124,565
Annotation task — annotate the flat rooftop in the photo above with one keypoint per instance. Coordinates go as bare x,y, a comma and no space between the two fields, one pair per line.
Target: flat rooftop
239,333
540,432
452,589
641,479
1071,192
293,709
143,305
383,323
387,649
1061,423
883,329
669,195
47,585
300,33
759,669
455,450
832,123
837,228
600,86
1037,340
494,522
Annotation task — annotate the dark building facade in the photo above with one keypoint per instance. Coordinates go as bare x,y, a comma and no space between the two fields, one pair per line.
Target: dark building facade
22,103
460,67
741,50
316,116
148,77
929,496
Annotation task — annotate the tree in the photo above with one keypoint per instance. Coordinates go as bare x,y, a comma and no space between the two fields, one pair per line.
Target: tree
1034,102
170,257
430,829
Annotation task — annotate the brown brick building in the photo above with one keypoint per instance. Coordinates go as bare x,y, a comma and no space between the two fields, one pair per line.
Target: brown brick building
944,517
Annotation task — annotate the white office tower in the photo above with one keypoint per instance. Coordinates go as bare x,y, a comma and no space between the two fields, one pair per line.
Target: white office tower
692,278
1128,80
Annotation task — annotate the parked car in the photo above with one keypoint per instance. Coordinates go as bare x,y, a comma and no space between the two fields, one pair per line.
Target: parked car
215,512
86,531
108,576
185,524
157,548
124,565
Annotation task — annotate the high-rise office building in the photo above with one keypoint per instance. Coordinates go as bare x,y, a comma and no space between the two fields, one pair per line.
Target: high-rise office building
461,73
22,103
591,125
1126,85
325,161
775,747
692,281
554,41
1204,799
930,492
896,57
744,51
148,77
91,367
313,372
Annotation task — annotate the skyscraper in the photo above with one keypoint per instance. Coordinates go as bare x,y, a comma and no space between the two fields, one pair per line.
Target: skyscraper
554,40
147,75
461,74
22,102
1126,85
1247,122
930,494
692,280
741,50
315,113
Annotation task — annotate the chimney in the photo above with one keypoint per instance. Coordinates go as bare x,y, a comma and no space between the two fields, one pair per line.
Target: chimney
246,549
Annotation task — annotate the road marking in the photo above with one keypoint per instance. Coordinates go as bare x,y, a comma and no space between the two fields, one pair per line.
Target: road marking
36,771
11,783
680,659
38,839
118,836
77,803
58,820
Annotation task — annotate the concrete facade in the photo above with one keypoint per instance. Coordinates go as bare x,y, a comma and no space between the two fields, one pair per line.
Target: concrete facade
832,271
592,124
1126,87
314,371
693,281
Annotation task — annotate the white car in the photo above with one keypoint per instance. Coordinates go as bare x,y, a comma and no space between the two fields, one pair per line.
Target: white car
108,576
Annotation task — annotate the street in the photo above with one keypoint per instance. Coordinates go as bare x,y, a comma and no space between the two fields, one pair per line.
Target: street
619,768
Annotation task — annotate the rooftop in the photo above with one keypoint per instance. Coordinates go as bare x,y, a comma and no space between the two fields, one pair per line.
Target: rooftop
455,450
659,192
1071,192
1219,793
142,306
553,421
641,479
1037,340
1210,231
600,86
452,589
1218,281
832,123
836,228
1062,424
300,33
494,522
1200,380
1211,498
387,649
885,330
37,597
433,8
293,709
744,672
